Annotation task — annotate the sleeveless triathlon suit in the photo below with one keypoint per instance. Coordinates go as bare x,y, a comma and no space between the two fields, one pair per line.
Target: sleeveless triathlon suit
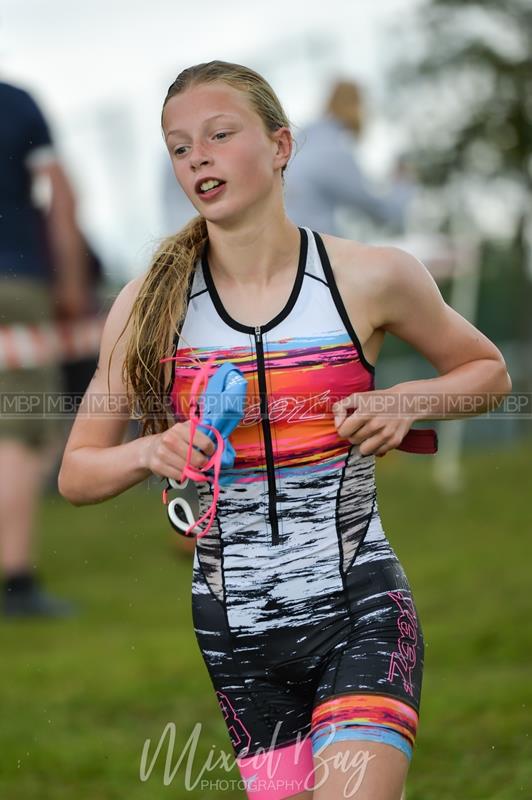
301,608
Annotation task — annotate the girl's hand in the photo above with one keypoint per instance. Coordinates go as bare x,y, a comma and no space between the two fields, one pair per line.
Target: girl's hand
165,453
374,424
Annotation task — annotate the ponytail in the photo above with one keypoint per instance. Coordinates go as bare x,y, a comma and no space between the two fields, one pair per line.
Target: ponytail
159,308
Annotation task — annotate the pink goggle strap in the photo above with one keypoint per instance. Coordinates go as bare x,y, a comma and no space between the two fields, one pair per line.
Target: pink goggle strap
198,387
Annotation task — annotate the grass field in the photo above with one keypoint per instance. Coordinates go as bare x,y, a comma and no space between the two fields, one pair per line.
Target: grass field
80,697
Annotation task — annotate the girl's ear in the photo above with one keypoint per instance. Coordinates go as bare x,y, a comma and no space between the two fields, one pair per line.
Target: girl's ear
284,143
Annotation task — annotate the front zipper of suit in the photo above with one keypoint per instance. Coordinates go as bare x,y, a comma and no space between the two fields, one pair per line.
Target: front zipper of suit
265,421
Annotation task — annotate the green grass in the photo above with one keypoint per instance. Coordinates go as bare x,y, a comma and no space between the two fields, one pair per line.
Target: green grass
80,697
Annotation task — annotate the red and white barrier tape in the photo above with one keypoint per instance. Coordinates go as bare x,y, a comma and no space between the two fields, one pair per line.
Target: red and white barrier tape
23,346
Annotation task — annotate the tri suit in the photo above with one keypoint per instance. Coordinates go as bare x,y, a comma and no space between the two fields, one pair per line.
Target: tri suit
301,608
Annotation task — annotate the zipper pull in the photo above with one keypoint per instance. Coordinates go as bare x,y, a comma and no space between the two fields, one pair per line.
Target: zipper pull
257,333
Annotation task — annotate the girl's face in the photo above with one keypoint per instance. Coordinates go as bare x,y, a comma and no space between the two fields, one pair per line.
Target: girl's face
211,131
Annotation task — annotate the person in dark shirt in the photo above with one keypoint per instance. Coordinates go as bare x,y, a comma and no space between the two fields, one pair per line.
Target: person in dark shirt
43,277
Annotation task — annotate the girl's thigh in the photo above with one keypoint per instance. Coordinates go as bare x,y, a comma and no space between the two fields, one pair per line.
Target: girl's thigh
364,770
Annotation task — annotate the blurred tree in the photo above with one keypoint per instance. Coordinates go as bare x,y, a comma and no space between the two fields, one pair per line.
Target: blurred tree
461,81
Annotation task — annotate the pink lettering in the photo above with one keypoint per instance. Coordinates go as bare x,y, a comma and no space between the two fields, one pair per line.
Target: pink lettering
403,659
237,730
291,409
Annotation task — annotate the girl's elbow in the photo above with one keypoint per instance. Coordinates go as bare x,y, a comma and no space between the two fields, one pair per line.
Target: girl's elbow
506,381
64,489
502,386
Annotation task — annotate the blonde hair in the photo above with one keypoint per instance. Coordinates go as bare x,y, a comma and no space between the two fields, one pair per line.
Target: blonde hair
161,300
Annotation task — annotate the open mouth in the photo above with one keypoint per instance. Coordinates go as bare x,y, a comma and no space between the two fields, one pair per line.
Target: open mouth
210,187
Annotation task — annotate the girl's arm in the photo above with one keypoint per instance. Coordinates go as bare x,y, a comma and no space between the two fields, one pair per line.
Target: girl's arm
473,375
403,299
96,463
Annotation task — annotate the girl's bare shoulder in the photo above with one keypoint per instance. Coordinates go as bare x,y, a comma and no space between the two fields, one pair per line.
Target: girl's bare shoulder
360,259
115,330
363,270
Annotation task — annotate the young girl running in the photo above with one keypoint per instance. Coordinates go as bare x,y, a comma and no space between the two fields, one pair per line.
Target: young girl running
301,608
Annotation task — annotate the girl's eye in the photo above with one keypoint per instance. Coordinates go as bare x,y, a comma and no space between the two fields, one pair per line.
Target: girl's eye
179,150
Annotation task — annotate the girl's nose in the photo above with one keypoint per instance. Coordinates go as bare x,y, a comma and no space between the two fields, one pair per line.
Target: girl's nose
198,158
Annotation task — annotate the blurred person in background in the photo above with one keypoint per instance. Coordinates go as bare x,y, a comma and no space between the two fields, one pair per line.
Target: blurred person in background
325,176
77,372
43,276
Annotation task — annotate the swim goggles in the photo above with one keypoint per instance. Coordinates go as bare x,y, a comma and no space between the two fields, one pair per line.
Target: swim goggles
223,392
216,406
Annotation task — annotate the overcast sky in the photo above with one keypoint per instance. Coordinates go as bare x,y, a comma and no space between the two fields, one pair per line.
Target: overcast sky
101,69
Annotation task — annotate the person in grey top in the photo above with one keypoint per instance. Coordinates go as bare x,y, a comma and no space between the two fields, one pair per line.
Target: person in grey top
323,174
